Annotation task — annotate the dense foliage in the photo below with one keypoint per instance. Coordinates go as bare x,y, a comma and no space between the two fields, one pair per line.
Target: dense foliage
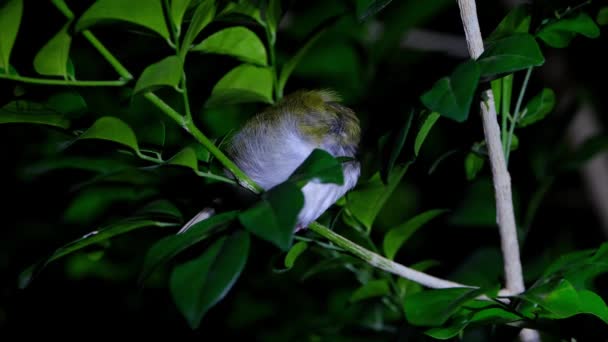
113,118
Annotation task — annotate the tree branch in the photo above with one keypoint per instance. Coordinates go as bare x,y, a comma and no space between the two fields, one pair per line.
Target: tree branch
381,262
500,174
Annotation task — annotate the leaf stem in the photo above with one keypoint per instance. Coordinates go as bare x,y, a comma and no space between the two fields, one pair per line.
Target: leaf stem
48,81
520,99
120,69
381,262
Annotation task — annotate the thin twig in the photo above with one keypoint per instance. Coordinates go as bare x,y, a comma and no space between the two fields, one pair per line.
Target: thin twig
381,262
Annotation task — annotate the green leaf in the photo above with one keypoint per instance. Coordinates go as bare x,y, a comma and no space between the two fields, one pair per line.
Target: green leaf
243,7
274,217
93,237
178,9
538,107
238,42
199,284
167,248
393,145
579,268
372,9
559,299
273,16
435,307
187,158
112,129
52,59
602,16
291,64
491,315
245,83
408,287
396,237
517,21
67,102
510,54
165,73
591,303
427,123
202,16
366,201
10,17
294,253
319,166
472,165
32,113
452,96
148,14
371,289
559,33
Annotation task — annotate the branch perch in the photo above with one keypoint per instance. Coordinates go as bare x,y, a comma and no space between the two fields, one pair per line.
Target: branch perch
500,174
502,180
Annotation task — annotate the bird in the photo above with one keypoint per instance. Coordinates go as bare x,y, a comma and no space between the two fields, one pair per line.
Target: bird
273,143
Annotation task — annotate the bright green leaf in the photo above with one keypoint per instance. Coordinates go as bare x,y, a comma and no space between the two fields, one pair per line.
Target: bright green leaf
396,237
427,123
517,21
32,113
93,237
167,248
52,59
472,165
294,253
10,17
178,9
592,303
291,64
538,107
366,201
452,96
199,284
559,299
273,16
319,166
371,289
146,13
274,217
245,83
510,54
435,307
165,73
559,33
238,42
202,16
602,16
112,129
